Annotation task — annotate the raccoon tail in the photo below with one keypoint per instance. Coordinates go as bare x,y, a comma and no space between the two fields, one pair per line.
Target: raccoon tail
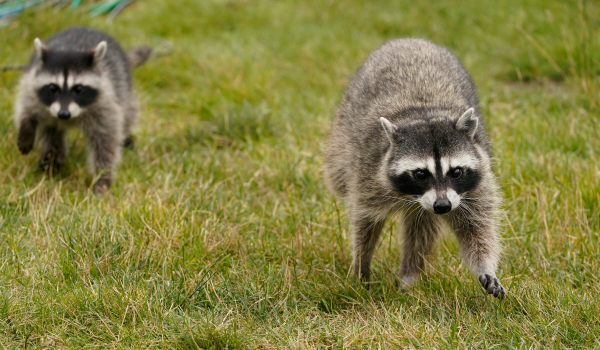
8,67
138,55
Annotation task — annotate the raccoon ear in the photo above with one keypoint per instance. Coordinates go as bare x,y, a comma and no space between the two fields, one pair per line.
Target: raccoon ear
99,52
389,128
468,123
40,49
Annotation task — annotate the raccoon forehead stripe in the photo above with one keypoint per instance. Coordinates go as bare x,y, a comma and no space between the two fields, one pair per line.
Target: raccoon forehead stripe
445,162
431,166
407,164
460,161
463,161
45,79
87,80
72,79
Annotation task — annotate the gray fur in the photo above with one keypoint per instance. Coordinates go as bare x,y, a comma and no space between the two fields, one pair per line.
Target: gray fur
107,121
412,102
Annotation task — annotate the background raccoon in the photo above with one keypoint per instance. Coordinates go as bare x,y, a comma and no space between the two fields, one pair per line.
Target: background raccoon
409,138
80,77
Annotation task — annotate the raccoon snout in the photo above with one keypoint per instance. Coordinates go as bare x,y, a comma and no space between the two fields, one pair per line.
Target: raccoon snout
64,114
442,206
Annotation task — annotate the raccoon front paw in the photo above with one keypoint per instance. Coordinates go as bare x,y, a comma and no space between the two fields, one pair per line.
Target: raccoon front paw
25,146
492,285
51,161
26,136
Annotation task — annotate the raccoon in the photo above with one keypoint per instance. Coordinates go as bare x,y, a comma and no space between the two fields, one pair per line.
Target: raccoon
80,77
409,138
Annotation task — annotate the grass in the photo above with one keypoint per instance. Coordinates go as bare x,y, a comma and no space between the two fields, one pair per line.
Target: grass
219,232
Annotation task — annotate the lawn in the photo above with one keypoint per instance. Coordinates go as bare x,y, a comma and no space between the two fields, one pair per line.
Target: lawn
219,232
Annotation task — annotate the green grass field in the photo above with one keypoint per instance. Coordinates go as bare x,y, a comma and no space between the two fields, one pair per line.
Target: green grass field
219,232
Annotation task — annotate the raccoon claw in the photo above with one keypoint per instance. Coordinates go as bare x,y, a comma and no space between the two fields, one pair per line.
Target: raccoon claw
492,286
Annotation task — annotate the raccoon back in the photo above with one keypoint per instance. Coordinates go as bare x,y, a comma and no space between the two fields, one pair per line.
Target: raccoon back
406,74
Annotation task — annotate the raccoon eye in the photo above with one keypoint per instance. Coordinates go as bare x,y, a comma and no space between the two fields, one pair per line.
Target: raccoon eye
420,174
53,88
78,88
457,172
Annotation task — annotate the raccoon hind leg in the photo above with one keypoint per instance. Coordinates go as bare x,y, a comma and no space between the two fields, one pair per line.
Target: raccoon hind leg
52,141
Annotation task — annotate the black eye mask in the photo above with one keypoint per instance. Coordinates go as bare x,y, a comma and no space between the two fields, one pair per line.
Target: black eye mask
409,184
80,94
84,95
48,94
467,181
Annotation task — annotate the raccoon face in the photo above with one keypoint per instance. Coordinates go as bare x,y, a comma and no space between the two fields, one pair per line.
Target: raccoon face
435,162
66,82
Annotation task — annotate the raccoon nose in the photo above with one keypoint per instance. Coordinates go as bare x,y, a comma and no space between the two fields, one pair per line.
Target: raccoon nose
64,114
442,206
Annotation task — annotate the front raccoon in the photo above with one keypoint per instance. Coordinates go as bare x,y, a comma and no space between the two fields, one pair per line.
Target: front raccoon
409,138
79,77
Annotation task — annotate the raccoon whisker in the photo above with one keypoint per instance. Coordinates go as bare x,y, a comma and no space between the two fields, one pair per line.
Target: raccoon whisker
403,212
464,217
396,211
398,198
479,210
408,204
420,215
405,205
475,202
469,214
466,209
462,209
470,199
411,212
472,205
